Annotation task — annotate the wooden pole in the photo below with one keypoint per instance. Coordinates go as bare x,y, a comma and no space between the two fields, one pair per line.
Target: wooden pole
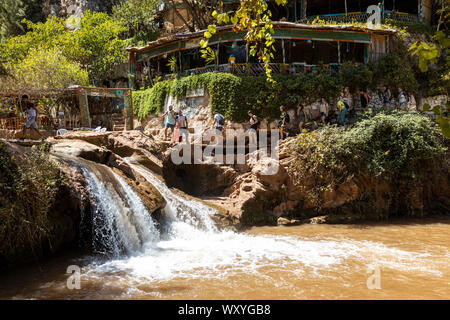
339,52
217,56
295,11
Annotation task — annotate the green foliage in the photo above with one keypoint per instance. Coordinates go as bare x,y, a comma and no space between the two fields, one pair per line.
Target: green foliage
395,70
150,101
141,38
356,76
396,148
173,64
44,69
95,45
407,28
429,55
233,95
27,191
254,17
138,16
11,13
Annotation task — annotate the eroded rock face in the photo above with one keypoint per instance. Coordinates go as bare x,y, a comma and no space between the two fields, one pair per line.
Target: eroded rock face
254,198
144,149
151,197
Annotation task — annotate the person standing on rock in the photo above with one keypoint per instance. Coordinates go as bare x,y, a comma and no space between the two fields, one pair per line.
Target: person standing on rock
219,122
170,121
32,114
301,113
324,110
342,108
402,99
365,99
387,97
182,125
284,120
254,125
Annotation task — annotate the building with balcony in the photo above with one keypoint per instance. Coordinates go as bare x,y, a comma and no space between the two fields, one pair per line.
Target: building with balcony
300,46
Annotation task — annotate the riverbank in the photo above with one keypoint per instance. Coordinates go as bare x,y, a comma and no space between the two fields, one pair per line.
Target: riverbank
382,168
302,262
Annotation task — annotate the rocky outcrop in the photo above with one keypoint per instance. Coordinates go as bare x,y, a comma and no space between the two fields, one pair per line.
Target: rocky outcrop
149,195
254,198
74,149
144,149
50,229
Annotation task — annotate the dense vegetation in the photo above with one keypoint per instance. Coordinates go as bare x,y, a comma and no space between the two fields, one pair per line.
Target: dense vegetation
234,95
397,148
28,189
95,46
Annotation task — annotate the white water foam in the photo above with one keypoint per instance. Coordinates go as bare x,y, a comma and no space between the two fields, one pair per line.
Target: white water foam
121,225
192,248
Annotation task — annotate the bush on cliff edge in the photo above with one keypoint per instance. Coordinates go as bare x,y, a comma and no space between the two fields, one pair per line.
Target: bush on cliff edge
28,189
397,148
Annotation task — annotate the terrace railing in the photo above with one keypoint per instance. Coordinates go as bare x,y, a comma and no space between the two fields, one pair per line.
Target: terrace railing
15,123
256,69
363,17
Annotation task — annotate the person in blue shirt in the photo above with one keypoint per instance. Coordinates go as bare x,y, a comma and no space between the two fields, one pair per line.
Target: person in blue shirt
170,121
387,97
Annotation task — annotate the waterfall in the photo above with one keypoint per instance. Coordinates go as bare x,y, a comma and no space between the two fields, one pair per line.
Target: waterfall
120,222
178,208
187,245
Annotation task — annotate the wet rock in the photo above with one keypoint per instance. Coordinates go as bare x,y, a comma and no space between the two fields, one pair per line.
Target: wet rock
150,196
288,222
135,144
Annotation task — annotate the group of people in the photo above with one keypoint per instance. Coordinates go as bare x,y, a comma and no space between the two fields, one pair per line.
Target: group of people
403,99
178,124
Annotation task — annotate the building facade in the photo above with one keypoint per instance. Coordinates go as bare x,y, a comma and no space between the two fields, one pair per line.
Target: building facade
300,45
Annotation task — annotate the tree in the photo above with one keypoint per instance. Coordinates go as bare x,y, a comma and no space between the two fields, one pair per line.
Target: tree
136,15
11,14
254,17
95,45
44,69
435,55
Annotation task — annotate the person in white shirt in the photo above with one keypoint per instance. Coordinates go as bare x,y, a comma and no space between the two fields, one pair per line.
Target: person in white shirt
32,114
324,110
182,124
402,100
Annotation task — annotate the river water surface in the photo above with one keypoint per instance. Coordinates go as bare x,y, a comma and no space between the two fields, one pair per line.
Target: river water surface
186,257
304,262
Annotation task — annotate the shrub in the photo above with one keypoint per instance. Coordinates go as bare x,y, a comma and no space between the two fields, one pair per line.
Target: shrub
233,95
27,191
395,70
395,148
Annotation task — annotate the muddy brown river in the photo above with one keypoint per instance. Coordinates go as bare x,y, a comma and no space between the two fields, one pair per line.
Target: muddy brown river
377,261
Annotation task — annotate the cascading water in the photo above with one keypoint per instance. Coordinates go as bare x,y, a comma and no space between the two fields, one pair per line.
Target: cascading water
191,247
184,256
120,221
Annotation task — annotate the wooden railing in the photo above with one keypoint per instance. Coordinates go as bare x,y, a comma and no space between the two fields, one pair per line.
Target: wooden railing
15,123
256,69
363,17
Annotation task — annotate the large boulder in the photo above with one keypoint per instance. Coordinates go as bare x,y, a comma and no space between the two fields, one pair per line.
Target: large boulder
73,149
144,149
